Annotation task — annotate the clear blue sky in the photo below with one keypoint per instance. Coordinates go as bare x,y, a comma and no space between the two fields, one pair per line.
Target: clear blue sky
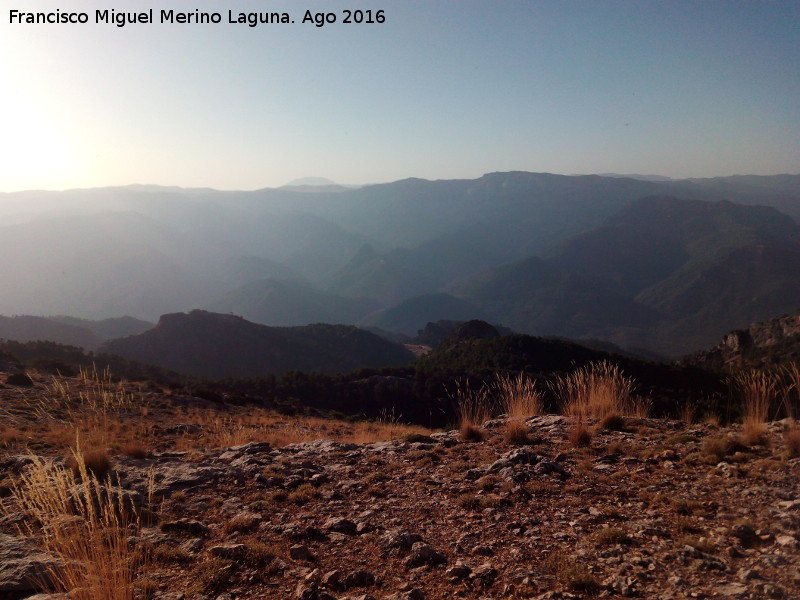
441,90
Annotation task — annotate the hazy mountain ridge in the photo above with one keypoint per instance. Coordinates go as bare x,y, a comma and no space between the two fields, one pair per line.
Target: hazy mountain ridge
81,333
405,316
291,302
26,328
217,346
108,328
664,273
149,250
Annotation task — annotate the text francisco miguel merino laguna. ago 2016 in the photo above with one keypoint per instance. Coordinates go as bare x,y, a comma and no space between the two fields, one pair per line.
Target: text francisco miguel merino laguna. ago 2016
196,17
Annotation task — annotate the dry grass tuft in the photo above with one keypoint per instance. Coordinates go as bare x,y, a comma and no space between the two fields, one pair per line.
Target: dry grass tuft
209,575
757,391
790,390
473,408
470,433
571,574
597,390
242,523
611,536
96,462
719,447
580,435
86,526
135,450
792,438
9,436
517,396
304,494
517,434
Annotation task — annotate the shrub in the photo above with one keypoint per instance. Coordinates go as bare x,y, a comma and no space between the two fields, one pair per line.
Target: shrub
686,507
376,477
489,501
790,386
8,436
613,422
166,553
418,437
423,458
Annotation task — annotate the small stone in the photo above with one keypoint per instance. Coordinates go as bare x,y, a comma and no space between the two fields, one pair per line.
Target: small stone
340,525
22,566
300,552
333,580
399,540
305,593
745,574
732,590
190,526
314,576
360,578
424,554
229,551
459,571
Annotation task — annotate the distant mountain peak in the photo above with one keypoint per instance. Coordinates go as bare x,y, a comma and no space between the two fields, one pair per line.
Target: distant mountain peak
310,181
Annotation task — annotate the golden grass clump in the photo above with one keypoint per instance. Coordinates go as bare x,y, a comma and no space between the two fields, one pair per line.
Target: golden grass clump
517,396
580,435
790,390
85,523
473,408
571,574
756,391
792,439
517,434
96,462
597,390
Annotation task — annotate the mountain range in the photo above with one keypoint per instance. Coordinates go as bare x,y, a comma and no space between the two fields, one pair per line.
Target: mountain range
666,266
218,346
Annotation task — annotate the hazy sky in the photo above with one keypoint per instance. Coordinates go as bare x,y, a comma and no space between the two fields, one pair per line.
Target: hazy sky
440,90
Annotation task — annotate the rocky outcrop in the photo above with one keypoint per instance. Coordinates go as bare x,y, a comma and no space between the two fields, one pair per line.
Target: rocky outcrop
768,343
23,568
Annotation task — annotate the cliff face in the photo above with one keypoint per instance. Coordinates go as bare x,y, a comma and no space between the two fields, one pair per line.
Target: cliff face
772,342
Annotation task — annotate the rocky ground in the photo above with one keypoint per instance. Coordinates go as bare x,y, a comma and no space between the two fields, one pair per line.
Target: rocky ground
651,509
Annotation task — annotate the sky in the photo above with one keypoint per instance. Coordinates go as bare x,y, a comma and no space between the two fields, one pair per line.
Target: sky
440,90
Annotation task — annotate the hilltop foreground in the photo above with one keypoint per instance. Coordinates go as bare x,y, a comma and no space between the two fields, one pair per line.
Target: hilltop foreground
651,508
